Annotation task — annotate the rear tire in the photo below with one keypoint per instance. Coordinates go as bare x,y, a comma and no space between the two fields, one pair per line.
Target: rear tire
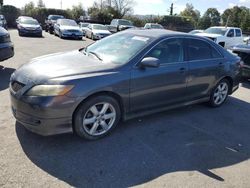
220,93
96,117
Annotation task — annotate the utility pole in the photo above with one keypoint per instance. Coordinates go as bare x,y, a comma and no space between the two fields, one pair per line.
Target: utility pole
171,9
61,4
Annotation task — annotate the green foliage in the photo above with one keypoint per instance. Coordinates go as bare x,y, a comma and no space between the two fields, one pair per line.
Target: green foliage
177,23
234,16
191,13
10,13
214,16
76,11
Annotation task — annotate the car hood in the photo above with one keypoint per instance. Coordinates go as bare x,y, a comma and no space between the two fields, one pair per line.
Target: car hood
101,31
59,65
30,26
212,35
69,27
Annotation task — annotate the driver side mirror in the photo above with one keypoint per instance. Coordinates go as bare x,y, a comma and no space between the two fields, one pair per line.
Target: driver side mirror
150,62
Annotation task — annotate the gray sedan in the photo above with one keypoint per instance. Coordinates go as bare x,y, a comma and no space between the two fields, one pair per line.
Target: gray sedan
129,74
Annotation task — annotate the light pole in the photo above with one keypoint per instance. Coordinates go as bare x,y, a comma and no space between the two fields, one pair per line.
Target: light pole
61,4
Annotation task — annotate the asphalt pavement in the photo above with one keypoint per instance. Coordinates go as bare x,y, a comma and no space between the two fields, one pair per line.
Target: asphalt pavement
195,146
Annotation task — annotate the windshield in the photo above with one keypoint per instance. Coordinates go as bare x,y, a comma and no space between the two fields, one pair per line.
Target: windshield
124,22
118,48
29,21
99,27
55,17
219,31
84,24
68,22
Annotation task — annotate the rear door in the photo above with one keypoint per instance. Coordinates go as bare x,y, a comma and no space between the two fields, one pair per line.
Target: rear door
205,66
165,85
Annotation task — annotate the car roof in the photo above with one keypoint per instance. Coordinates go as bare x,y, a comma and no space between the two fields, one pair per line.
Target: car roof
156,33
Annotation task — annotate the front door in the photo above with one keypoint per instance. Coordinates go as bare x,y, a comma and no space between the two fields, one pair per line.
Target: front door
165,85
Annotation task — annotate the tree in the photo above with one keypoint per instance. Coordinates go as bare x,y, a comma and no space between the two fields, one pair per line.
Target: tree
214,16
191,13
123,7
1,3
29,8
233,16
40,4
11,13
77,11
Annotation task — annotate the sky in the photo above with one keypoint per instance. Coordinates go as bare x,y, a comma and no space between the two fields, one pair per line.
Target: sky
145,7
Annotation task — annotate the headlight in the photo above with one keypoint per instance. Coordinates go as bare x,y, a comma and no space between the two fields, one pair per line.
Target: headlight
49,90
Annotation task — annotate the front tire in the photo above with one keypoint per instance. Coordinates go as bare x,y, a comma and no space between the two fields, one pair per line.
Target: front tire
97,117
219,93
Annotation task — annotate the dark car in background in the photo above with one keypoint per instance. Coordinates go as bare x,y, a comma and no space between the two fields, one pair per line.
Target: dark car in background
117,25
129,74
29,27
243,51
50,21
3,22
6,46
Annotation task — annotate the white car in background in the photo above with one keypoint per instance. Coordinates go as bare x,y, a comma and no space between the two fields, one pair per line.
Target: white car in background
84,27
67,28
97,31
224,36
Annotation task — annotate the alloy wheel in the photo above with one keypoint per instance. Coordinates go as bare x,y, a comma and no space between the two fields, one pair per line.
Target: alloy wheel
220,93
99,119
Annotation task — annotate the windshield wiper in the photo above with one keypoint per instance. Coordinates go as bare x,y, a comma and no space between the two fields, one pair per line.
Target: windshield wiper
96,55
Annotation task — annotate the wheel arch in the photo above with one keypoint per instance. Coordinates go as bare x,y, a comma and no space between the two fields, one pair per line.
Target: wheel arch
230,80
112,94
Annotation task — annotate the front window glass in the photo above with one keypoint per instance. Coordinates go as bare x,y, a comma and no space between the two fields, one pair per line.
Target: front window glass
68,22
119,48
29,21
169,51
55,17
213,30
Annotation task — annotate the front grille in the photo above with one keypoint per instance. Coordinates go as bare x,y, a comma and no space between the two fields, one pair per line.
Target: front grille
73,31
16,86
4,38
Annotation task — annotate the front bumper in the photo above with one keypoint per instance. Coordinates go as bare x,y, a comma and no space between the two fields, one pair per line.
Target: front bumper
44,116
6,51
30,32
72,35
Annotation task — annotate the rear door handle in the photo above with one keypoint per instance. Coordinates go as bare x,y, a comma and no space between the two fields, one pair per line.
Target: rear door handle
182,70
221,64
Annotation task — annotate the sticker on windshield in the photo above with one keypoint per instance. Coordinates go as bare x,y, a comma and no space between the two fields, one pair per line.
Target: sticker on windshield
144,39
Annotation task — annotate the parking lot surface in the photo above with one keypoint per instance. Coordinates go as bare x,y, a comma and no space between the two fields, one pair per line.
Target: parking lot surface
195,146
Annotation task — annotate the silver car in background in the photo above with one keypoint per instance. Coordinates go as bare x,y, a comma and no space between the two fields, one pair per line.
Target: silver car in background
67,28
97,31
